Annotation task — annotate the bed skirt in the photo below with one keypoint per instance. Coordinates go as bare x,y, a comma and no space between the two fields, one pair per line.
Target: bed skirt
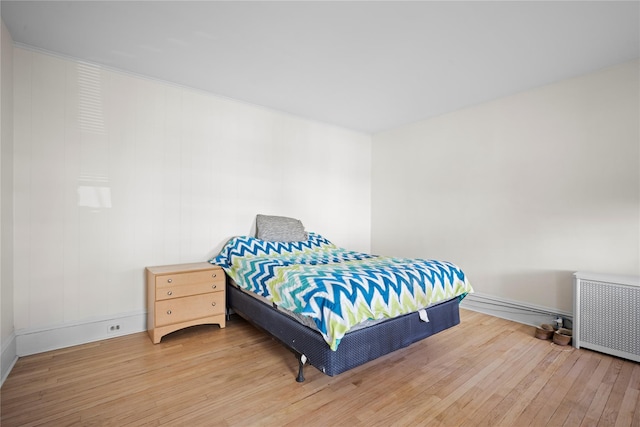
357,347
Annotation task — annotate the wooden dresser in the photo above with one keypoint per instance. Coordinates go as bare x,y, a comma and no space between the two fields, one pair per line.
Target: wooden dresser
184,295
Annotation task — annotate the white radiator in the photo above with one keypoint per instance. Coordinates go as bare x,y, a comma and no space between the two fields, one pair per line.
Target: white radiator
606,314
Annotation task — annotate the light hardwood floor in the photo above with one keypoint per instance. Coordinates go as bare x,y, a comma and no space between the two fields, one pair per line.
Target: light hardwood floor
484,372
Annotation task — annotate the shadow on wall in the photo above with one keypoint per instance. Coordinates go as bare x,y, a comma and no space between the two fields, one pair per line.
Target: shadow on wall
551,289
217,248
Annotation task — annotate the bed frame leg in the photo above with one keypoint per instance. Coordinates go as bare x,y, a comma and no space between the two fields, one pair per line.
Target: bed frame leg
302,359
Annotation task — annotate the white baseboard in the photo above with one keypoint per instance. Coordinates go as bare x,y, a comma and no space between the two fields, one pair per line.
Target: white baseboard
516,311
8,358
45,339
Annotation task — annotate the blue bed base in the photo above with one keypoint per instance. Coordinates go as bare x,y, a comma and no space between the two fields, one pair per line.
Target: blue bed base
357,347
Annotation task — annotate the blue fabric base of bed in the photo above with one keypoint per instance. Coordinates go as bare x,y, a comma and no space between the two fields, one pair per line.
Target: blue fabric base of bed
357,347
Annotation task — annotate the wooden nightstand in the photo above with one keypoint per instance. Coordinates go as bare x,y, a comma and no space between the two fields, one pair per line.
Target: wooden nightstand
184,295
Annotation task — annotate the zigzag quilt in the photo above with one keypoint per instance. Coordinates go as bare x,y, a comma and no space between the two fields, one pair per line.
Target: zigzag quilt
335,287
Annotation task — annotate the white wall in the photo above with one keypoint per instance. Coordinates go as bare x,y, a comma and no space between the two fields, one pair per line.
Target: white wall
114,172
7,337
520,192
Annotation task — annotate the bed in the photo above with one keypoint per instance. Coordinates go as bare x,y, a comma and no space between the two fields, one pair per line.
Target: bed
336,309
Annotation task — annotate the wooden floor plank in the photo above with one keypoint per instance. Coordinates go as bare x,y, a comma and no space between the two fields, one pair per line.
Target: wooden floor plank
486,371
475,401
616,397
529,388
594,371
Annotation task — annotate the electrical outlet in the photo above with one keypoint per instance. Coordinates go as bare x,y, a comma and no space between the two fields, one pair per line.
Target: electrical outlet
112,329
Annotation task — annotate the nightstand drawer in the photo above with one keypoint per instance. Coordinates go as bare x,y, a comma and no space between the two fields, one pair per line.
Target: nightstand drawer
189,308
177,291
178,279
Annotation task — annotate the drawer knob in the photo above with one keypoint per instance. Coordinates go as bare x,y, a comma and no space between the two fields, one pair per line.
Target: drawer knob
214,286
213,304
169,280
168,311
169,293
214,275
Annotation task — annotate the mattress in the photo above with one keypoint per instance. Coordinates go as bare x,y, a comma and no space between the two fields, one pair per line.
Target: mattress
303,320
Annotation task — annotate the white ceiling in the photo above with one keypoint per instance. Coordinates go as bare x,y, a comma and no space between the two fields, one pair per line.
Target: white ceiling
368,66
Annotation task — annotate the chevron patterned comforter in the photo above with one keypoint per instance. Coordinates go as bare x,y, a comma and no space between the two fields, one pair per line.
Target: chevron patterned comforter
335,287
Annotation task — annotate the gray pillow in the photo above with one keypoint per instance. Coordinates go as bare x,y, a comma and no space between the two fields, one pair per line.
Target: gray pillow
279,229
